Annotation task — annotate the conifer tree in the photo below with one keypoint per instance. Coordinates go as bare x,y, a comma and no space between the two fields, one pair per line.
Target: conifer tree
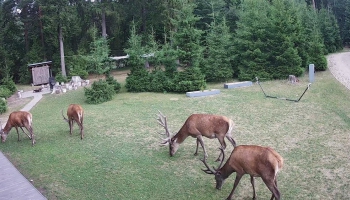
218,53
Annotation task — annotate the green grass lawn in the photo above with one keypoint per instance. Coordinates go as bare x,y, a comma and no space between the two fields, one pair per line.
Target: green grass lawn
120,156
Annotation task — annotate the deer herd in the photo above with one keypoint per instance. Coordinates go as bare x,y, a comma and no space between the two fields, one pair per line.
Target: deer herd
257,161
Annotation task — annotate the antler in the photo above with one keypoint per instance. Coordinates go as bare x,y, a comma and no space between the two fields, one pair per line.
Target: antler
162,120
210,171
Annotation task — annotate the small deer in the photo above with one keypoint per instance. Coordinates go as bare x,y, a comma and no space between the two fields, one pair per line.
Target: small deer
75,113
197,126
18,119
254,160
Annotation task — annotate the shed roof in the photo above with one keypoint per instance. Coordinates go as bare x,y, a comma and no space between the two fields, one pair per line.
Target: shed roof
40,64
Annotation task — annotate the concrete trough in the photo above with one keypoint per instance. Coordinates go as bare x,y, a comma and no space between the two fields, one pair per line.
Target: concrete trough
238,84
203,93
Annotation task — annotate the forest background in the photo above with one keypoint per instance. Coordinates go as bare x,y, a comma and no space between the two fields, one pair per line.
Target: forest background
210,41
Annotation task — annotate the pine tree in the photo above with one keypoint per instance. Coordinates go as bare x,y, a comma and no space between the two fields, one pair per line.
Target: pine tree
330,31
187,36
138,79
219,53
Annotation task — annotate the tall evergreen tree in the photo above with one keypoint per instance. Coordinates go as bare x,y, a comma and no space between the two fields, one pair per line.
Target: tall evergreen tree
330,31
218,53
250,48
187,36
138,79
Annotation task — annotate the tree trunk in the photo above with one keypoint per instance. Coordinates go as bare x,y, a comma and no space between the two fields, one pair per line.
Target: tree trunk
104,32
144,16
60,36
42,34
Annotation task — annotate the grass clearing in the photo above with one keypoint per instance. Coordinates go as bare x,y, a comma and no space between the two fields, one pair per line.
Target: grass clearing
120,158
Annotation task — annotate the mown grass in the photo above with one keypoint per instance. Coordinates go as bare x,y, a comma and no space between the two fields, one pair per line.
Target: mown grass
120,158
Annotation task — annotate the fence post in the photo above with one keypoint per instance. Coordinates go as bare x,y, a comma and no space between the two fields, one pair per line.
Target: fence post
311,73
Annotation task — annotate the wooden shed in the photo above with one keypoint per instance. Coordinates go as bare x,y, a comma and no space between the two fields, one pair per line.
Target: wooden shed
40,72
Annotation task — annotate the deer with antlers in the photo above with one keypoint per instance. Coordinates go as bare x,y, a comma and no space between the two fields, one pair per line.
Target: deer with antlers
257,161
18,119
197,126
75,113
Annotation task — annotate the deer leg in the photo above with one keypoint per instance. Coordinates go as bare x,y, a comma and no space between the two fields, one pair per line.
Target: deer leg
223,146
17,133
273,196
233,142
272,185
26,133
197,141
200,139
238,178
253,184
70,126
81,130
32,135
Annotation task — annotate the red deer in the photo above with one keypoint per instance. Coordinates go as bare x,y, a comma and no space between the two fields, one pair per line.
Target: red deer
254,160
197,126
18,119
75,113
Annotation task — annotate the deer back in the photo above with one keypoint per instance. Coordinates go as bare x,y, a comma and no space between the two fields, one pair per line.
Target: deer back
254,160
207,125
18,119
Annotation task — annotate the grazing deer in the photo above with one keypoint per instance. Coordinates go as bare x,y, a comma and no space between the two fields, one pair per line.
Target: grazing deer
75,113
18,119
254,160
197,126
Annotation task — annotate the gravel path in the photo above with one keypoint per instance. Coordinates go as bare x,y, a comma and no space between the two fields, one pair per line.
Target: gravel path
339,66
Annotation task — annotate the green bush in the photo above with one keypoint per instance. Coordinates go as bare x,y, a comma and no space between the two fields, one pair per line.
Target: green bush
159,81
5,92
9,84
59,78
138,80
99,92
189,80
111,81
3,105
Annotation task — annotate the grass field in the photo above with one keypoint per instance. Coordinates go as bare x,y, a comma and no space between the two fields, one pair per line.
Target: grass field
120,156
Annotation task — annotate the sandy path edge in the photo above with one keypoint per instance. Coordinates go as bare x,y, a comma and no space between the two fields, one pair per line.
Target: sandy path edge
339,66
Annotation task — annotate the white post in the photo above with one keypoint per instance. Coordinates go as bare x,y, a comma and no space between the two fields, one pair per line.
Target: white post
311,73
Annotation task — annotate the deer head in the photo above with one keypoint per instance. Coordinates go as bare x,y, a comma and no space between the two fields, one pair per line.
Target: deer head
218,176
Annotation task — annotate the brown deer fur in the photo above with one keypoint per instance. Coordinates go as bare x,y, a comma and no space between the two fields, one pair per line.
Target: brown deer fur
18,119
207,125
254,160
75,113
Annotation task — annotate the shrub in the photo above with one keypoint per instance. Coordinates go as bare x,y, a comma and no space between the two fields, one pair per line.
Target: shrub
99,92
159,81
5,92
189,80
59,78
111,81
3,105
138,80
9,84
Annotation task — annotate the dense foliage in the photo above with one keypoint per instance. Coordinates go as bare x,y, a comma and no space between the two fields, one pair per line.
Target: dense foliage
3,105
224,39
99,92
